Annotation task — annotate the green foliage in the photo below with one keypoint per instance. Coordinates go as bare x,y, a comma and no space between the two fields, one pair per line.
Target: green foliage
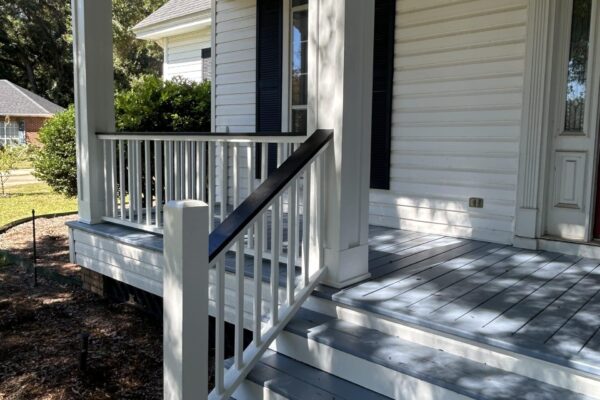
55,162
151,105
133,57
36,45
154,105
10,156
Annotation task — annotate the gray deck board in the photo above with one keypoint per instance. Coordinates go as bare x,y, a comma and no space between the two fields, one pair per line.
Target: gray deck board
541,304
415,298
469,378
516,288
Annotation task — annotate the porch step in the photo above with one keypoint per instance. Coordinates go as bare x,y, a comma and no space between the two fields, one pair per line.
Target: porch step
279,377
400,369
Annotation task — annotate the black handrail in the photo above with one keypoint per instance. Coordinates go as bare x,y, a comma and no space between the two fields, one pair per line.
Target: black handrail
239,219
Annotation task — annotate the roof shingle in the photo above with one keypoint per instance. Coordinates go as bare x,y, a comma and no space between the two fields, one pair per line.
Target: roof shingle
17,101
174,9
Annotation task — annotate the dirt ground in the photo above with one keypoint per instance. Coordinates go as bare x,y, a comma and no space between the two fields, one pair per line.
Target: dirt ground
41,328
52,244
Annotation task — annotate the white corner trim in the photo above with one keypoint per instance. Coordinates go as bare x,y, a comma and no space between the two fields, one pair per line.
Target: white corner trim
536,114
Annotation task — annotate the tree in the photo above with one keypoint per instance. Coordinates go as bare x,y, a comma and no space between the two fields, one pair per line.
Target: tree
55,162
36,45
133,57
151,105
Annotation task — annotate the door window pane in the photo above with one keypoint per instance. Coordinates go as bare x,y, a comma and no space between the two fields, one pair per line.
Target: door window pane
299,66
299,124
578,58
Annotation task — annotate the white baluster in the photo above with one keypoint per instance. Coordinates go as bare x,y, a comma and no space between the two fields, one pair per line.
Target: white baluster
224,176
130,173
219,324
258,264
122,177
148,177
113,177
159,181
235,174
239,308
251,172
138,180
275,243
211,184
291,261
306,226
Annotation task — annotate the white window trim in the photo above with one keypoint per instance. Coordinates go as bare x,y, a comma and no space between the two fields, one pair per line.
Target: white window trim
286,98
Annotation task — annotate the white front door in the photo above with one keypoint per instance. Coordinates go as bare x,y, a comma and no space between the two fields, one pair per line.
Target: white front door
574,125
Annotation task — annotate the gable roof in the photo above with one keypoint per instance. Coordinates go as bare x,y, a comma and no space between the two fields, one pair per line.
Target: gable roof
19,102
174,9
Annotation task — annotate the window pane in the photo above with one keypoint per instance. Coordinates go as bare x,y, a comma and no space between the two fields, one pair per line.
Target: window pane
299,88
299,121
578,58
296,3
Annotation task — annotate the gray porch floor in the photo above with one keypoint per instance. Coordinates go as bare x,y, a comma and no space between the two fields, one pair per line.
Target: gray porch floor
541,304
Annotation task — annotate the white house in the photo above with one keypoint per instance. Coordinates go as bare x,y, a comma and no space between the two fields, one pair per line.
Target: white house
182,28
398,199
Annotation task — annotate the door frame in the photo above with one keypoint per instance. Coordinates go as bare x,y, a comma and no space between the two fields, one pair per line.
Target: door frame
591,114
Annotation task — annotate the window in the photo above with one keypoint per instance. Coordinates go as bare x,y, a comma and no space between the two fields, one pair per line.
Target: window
299,66
577,67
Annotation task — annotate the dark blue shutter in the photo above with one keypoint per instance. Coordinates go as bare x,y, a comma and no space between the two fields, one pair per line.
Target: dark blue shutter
269,41
383,77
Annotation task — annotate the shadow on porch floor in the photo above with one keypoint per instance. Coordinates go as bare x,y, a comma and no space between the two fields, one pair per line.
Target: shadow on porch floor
542,304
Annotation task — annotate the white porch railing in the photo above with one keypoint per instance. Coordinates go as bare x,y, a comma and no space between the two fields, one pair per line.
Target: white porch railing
143,171
298,181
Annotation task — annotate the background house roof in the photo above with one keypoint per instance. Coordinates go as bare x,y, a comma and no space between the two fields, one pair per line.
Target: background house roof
19,102
174,9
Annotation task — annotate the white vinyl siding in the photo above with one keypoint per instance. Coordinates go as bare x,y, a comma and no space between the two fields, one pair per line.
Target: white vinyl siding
183,56
458,87
235,58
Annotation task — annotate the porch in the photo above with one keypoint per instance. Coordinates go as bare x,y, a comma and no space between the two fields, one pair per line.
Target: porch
540,304
534,313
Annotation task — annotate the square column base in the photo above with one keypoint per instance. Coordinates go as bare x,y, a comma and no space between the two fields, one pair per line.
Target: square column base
346,267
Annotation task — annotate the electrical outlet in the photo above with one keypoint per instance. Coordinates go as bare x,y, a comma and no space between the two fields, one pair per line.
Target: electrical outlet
475,202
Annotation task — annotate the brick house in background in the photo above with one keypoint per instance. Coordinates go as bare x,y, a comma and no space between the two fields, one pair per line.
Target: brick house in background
22,113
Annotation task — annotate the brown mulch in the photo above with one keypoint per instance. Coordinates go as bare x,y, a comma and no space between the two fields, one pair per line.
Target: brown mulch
41,327
52,244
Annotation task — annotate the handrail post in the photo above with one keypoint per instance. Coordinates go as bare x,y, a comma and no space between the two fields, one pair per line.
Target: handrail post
185,300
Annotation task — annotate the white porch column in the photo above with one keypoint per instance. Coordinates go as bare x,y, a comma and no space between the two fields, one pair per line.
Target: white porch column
185,301
94,100
340,99
535,122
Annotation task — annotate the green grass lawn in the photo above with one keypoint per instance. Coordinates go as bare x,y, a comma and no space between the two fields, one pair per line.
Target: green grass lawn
23,198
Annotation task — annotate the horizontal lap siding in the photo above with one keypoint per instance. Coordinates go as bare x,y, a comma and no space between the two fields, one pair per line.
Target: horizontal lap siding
183,55
235,57
458,85
235,81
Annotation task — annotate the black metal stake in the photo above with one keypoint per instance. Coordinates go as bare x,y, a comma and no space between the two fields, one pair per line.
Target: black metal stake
83,354
34,250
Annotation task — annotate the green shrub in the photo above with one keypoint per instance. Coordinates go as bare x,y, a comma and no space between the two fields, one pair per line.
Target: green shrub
155,105
55,162
151,105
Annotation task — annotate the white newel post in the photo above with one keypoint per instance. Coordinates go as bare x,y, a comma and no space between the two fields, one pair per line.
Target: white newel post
185,300
340,98
94,100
